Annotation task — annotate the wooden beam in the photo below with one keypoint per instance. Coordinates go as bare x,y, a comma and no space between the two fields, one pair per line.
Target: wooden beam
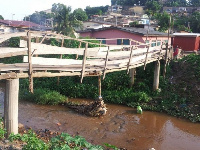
106,60
145,62
84,62
10,52
4,37
30,62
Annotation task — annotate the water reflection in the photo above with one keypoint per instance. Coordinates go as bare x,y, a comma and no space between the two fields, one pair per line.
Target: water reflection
121,127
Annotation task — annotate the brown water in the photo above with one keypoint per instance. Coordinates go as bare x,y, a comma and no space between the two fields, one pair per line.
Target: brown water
121,126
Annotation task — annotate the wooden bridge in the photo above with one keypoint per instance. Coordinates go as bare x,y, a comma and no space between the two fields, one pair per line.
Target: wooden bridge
87,61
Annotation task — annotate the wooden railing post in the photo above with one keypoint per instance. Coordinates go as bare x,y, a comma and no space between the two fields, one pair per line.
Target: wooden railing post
106,61
62,43
84,62
11,106
30,71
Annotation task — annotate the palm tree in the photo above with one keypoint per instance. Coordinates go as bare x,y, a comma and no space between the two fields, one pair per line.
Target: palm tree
64,20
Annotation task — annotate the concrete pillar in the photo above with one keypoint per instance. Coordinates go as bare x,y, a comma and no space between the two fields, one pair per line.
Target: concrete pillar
132,75
11,106
156,75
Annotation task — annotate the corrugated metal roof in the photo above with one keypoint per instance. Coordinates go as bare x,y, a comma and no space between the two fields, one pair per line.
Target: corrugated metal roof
14,23
187,34
140,31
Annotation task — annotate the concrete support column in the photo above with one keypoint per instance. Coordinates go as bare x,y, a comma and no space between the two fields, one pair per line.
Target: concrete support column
156,75
11,106
132,75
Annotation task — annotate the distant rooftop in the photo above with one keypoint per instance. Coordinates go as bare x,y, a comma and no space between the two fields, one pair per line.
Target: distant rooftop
187,34
25,24
140,31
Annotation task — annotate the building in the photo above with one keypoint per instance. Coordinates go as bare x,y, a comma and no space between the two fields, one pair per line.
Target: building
11,26
155,38
187,41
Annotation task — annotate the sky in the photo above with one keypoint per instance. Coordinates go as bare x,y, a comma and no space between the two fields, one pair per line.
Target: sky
18,9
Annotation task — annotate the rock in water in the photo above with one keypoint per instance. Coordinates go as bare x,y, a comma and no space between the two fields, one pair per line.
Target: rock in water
95,109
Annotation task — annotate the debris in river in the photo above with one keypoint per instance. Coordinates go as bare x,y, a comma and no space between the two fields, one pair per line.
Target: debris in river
139,110
95,109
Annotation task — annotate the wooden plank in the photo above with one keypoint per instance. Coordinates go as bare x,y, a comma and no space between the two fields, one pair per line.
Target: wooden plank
84,62
10,52
52,61
4,37
146,56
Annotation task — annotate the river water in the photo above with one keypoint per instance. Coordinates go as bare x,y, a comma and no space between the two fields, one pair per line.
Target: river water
121,126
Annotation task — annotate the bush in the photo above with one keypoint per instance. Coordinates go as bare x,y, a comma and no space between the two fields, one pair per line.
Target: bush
2,130
43,96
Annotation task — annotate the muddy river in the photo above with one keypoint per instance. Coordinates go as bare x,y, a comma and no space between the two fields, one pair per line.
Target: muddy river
121,126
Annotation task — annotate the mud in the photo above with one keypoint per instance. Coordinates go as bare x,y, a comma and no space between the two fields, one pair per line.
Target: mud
121,126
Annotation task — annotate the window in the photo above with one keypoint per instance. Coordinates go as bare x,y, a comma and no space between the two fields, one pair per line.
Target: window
101,40
153,43
166,41
158,43
123,42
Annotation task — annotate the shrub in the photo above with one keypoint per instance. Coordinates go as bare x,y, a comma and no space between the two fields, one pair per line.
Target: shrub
2,130
43,96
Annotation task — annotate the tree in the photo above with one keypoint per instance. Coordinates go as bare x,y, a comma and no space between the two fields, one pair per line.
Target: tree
96,10
180,23
163,21
38,17
80,14
194,21
195,3
176,3
152,7
64,20
1,17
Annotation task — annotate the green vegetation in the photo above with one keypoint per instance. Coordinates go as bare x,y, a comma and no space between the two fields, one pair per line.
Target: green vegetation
64,20
2,130
43,96
62,141
1,17
96,10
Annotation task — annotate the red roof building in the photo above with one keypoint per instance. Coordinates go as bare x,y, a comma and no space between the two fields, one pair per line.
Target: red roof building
187,41
22,24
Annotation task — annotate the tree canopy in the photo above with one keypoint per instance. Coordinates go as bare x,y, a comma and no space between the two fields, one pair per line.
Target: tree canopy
38,17
1,17
96,10
64,20
80,14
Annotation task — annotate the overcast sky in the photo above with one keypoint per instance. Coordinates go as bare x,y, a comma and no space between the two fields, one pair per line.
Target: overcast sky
18,9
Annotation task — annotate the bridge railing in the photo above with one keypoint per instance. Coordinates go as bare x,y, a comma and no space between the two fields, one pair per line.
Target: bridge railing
92,61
